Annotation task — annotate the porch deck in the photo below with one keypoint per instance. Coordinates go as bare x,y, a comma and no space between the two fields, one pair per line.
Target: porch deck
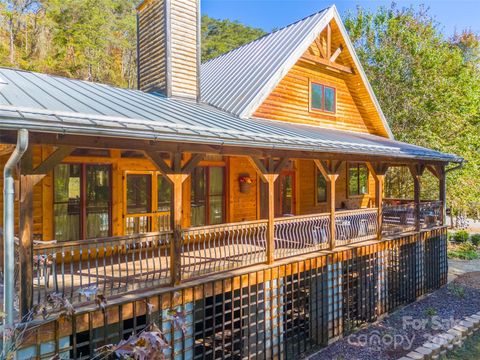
118,265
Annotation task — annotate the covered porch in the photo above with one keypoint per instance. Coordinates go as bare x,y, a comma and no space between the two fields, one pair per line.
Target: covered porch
167,220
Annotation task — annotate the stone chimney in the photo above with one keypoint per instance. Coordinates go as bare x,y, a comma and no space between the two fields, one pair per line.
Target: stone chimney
168,47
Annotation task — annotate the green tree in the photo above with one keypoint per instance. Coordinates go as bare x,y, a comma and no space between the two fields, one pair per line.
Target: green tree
428,87
221,36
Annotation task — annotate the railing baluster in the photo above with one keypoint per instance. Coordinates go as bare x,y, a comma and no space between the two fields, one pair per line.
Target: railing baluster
72,261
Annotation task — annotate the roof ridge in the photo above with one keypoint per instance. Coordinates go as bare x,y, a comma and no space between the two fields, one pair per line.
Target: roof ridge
268,34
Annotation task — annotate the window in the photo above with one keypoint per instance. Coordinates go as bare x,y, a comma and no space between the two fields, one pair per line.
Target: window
321,187
164,194
139,193
82,201
357,179
322,98
207,196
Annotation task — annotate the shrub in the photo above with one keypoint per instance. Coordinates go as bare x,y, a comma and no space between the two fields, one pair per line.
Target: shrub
460,236
430,311
465,251
475,239
457,290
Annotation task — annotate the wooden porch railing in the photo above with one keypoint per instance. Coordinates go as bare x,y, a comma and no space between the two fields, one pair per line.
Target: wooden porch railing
117,265
398,218
354,226
208,249
301,234
430,214
110,266
148,222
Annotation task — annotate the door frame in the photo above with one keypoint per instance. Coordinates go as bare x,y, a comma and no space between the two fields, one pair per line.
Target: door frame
153,193
279,200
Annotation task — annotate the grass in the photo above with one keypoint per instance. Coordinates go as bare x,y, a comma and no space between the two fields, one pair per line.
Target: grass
464,251
470,350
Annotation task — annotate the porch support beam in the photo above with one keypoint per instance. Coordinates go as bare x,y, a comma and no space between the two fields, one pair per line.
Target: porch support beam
176,173
330,169
439,172
269,173
177,181
54,159
417,171
99,142
378,170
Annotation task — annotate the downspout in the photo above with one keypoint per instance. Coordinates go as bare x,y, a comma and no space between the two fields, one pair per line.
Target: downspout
8,233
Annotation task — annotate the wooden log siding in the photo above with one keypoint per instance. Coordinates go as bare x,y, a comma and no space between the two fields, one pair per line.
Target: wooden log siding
352,286
168,47
151,46
307,190
355,110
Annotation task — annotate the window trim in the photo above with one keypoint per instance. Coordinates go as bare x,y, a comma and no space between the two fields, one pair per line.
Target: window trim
207,195
310,93
83,198
358,195
317,174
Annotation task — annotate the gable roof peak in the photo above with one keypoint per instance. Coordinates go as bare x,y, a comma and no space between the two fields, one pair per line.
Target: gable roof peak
239,81
268,34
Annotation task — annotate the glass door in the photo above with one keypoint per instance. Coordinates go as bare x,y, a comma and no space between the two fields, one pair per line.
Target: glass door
148,198
97,201
285,194
82,201
138,203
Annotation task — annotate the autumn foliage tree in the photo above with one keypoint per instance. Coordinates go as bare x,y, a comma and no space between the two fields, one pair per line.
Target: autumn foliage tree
428,86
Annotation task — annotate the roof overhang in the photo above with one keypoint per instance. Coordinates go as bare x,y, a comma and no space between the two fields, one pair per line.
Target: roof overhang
309,140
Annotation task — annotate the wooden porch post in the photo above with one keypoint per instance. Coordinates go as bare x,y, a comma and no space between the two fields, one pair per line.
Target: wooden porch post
29,177
330,170
439,172
177,181
417,172
269,174
378,170
270,178
176,173
443,194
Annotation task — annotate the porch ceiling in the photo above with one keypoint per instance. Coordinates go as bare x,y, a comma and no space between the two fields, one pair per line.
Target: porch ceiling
49,104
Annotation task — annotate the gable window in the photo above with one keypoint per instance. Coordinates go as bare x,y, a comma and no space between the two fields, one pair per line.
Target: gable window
321,187
322,97
357,179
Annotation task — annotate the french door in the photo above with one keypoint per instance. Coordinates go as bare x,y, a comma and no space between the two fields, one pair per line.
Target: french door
285,194
82,201
147,199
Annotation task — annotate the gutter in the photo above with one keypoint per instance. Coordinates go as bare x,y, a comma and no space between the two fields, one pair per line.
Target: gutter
457,167
8,235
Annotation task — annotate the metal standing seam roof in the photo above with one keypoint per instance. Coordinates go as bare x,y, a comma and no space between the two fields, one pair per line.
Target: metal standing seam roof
240,80
45,103
231,81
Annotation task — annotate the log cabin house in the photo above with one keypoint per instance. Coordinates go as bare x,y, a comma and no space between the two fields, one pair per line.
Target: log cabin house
246,192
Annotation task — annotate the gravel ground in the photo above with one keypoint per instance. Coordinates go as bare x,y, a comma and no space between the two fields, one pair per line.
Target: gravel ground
410,326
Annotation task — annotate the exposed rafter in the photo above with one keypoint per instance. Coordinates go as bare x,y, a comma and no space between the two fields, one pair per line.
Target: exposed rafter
320,61
336,54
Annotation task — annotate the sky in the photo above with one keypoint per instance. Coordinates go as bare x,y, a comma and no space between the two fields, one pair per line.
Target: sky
269,14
